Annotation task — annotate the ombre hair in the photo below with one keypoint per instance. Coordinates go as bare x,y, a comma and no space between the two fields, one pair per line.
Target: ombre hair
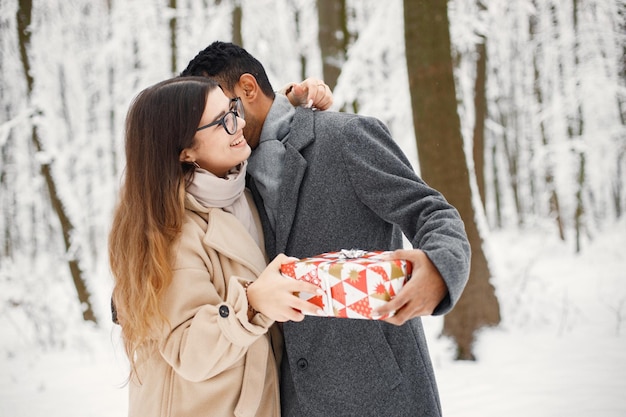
161,122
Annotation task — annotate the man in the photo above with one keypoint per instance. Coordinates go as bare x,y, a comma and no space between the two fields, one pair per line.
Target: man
325,181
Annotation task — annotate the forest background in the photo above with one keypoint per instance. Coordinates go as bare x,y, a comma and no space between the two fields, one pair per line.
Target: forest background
514,110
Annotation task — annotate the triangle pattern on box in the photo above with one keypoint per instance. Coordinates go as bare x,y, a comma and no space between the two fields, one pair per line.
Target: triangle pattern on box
354,285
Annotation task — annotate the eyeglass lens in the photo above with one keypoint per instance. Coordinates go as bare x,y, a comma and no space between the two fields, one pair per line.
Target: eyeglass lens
237,107
230,122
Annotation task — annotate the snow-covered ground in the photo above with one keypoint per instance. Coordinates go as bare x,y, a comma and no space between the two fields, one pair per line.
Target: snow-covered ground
560,350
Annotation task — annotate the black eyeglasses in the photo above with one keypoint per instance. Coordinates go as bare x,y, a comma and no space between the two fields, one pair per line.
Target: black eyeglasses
229,120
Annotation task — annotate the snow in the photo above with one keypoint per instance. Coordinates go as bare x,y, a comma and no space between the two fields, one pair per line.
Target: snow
561,347
559,351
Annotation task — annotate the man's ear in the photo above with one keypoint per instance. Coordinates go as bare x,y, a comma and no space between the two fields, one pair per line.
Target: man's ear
249,86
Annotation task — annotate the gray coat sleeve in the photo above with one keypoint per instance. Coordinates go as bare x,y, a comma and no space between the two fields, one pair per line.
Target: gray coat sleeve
385,181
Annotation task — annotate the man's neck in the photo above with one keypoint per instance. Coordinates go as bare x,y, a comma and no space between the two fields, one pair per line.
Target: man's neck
256,119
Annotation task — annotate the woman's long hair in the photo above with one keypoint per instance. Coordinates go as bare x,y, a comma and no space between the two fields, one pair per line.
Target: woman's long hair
161,122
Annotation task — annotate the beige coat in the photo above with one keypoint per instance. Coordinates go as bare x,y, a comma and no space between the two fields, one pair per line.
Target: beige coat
213,362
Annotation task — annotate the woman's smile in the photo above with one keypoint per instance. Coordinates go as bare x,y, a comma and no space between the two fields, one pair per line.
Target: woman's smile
238,142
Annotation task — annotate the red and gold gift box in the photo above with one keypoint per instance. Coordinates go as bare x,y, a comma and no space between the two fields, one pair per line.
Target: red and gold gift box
354,282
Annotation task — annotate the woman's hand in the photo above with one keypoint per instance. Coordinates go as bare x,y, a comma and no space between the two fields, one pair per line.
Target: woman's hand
276,296
311,92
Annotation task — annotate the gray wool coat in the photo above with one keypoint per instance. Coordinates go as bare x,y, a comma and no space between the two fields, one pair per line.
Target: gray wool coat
347,185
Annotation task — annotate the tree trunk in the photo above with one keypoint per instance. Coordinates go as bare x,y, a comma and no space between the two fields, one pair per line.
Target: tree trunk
480,116
173,41
496,184
237,18
575,131
300,28
23,17
512,154
442,158
333,38
617,188
554,206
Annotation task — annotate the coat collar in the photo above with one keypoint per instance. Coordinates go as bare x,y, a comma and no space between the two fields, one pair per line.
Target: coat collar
295,165
227,236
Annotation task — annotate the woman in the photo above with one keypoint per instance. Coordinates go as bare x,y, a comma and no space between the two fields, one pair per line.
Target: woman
193,295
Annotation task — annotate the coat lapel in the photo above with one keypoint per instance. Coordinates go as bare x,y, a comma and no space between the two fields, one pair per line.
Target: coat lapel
294,169
293,173
226,235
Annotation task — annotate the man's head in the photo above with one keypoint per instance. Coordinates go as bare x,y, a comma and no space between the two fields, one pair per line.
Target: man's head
240,75
226,63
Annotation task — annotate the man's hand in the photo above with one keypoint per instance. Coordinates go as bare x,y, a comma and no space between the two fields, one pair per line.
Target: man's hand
421,294
311,92
275,295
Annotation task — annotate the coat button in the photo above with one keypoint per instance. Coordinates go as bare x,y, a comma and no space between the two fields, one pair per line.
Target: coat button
224,311
303,364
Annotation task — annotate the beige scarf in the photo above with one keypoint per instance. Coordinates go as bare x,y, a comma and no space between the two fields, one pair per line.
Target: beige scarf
225,193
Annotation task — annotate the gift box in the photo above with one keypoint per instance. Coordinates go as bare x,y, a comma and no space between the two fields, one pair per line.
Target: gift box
354,282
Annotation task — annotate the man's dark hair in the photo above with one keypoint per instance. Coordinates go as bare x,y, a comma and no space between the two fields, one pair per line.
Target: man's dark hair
226,62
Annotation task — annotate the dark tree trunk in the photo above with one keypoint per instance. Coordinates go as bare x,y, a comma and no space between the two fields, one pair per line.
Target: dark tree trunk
441,156
237,18
554,207
333,38
173,38
23,17
480,116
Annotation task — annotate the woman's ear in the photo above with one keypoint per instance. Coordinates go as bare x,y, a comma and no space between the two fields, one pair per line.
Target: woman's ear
185,157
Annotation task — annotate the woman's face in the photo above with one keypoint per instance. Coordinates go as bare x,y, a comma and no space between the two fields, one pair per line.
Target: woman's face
214,149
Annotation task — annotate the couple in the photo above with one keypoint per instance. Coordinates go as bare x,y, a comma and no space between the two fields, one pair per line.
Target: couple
188,248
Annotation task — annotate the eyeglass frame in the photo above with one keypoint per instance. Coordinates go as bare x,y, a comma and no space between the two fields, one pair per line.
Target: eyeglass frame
236,108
